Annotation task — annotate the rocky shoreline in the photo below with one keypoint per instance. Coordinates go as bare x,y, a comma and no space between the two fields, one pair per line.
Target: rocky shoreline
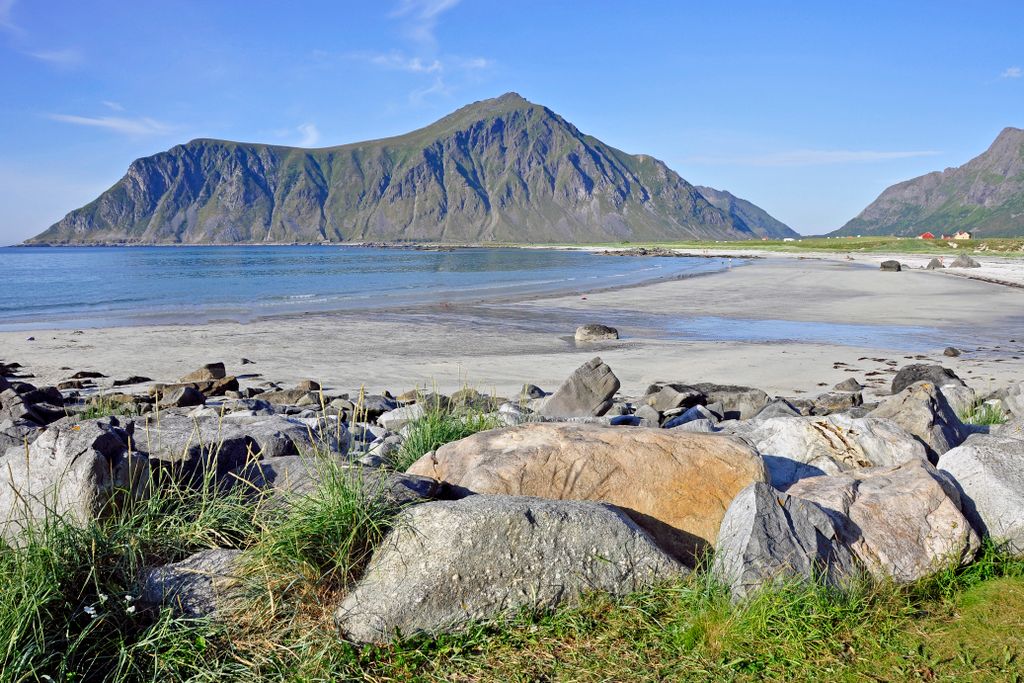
588,487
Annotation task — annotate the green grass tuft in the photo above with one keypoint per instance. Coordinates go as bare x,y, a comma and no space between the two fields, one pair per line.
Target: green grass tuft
983,413
103,406
437,427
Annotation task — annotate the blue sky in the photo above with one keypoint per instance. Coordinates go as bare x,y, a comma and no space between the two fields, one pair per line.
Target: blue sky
809,109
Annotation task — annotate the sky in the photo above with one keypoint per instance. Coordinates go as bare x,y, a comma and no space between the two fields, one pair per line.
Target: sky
808,109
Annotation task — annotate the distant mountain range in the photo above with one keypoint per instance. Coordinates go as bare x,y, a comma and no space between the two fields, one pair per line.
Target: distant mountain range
500,170
984,196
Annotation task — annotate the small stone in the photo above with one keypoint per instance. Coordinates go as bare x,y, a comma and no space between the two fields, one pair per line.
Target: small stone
891,266
532,391
951,351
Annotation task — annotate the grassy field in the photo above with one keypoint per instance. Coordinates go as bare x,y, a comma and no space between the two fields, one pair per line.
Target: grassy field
869,245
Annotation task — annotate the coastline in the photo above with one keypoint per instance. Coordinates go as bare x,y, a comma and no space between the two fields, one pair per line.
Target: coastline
691,329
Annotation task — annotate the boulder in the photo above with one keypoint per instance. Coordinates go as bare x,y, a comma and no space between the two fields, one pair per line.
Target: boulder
901,523
181,397
890,266
739,403
393,420
935,264
532,391
778,407
290,397
1013,399
795,448
768,536
484,557
190,446
133,379
14,408
960,396
595,332
951,352
697,426
17,434
849,384
75,472
924,372
308,385
677,485
587,392
296,475
671,396
989,474
836,402
922,410
207,373
50,395
372,406
697,412
964,261
199,586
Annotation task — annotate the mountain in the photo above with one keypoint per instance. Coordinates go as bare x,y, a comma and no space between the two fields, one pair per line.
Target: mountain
984,196
501,170
760,222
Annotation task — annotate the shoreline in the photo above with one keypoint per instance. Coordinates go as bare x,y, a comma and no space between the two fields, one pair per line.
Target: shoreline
742,326
570,288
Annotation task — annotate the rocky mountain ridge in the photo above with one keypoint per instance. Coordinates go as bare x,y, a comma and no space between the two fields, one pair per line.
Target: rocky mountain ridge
499,170
984,196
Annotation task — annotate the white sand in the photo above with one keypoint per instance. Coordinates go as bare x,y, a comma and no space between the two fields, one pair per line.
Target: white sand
501,346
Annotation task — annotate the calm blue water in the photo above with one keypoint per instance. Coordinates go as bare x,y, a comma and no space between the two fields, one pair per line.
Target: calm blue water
108,286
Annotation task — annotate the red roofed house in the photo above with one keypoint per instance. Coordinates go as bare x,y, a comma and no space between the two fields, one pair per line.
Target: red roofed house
926,236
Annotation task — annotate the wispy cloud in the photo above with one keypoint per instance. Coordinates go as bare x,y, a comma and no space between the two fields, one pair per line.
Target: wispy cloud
1012,72
310,134
811,157
421,16
438,87
67,57
113,106
6,22
138,127
399,61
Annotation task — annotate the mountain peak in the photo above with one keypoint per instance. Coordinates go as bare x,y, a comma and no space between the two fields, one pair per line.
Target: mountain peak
499,170
984,196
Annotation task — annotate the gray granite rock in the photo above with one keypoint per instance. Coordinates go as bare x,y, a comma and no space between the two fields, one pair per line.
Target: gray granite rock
449,563
768,536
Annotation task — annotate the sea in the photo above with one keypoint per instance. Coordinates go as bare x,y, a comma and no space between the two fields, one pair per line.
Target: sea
76,287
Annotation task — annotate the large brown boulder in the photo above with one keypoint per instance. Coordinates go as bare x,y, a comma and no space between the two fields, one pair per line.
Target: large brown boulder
676,485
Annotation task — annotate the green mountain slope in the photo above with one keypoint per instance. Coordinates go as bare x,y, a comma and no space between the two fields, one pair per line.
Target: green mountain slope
760,222
984,196
504,170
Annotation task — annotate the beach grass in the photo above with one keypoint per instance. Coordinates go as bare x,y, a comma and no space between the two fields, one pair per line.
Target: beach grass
983,413
104,406
438,426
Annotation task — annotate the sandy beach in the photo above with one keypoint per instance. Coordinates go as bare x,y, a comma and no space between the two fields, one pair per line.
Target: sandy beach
787,325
